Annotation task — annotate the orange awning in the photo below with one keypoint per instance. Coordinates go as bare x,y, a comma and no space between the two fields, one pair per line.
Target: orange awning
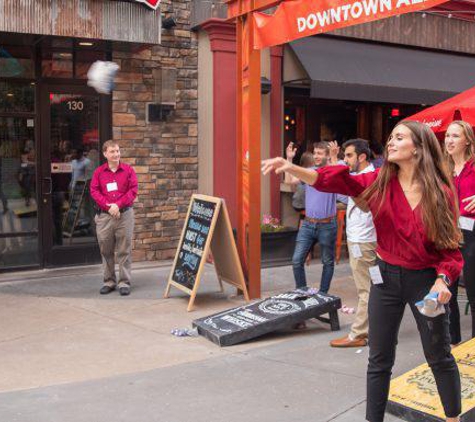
301,18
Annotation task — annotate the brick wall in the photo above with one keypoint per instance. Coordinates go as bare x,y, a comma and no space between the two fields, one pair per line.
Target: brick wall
165,154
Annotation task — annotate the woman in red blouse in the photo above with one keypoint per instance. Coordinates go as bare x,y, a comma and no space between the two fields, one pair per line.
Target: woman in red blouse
412,200
460,152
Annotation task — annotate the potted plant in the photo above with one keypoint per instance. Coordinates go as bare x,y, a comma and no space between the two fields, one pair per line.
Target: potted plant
277,243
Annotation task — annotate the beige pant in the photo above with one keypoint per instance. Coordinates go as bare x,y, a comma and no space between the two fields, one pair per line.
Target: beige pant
115,238
360,268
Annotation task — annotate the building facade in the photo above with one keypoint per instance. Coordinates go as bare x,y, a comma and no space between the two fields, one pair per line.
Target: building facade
354,82
53,125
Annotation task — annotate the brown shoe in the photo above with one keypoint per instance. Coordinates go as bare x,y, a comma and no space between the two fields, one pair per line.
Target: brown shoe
347,342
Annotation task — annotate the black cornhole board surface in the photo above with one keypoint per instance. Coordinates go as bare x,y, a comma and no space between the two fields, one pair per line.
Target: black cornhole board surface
274,313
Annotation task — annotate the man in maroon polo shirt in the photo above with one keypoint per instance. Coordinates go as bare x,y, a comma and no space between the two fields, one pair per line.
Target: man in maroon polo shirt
114,188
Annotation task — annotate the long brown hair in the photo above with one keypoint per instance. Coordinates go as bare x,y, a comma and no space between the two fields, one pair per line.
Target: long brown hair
470,137
439,213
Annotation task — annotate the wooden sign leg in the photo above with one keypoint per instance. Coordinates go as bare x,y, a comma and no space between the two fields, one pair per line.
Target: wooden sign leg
219,280
246,295
167,291
192,301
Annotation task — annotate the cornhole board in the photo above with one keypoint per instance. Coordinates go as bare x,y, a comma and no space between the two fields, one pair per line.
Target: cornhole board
413,396
265,316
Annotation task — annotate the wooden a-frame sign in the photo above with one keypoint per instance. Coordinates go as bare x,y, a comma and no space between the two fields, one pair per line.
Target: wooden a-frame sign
207,229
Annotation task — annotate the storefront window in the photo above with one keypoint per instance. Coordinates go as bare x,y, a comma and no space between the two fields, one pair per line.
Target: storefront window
16,62
17,97
19,212
83,61
57,64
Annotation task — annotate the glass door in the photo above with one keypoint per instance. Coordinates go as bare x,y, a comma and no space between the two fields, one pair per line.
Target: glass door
18,164
70,154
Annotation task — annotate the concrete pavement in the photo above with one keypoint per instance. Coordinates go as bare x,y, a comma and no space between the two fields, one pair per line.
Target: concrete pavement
71,355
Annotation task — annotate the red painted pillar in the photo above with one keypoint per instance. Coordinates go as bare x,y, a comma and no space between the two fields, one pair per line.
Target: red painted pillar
276,116
222,37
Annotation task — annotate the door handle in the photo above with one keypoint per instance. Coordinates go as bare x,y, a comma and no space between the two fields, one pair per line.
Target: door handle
48,179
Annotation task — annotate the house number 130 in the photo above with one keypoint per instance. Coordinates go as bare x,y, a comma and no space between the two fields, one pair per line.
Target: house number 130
76,105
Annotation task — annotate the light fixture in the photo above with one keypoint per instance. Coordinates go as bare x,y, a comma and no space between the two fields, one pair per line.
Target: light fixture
9,94
168,23
287,118
86,44
266,85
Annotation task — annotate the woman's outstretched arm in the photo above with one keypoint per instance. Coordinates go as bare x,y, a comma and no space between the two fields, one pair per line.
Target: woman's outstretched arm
281,165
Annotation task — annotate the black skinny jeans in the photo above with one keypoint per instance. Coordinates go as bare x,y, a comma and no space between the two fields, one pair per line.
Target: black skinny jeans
387,302
468,252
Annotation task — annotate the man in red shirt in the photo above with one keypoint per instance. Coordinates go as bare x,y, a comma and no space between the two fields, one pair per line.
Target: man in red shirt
114,189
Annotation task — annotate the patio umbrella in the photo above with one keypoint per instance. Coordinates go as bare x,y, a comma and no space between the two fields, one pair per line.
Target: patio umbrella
439,116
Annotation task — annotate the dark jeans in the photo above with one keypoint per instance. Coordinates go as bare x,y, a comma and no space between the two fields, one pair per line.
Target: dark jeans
468,252
454,315
387,302
308,235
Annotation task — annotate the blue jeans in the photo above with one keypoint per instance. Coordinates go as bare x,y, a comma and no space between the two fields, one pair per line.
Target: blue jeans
308,235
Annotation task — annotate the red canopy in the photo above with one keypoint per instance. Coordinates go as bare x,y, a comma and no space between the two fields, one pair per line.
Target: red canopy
439,116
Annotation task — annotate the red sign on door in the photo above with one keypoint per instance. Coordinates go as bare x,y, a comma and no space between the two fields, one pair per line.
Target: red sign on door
150,3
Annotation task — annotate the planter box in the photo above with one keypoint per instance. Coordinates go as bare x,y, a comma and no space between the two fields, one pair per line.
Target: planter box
277,248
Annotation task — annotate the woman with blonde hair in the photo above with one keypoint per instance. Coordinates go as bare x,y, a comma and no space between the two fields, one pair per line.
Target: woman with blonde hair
412,200
460,152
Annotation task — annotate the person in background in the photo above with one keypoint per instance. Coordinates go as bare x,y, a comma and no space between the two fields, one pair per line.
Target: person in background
460,153
26,174
114,188
298,198
361,238
3,197
319,224
412,199
79,165
377,150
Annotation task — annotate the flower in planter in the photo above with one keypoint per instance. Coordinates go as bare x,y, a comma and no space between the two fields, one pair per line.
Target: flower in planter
270,224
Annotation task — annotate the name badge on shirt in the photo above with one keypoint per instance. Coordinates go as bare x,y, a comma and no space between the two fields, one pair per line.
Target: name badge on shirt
356,251
466,223
375,275
111,187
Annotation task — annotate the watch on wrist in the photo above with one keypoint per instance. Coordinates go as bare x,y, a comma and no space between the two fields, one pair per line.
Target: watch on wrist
445,279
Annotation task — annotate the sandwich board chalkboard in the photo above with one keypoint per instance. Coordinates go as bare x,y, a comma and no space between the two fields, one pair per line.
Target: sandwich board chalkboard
207,229
71,216
413,396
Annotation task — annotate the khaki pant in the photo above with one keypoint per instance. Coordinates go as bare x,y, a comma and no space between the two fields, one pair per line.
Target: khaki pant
115,237
360,268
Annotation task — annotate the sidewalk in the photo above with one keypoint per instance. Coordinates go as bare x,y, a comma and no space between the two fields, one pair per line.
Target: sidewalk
71,355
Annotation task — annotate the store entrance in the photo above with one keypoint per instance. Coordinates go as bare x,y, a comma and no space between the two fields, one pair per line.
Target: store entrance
52,127
70,152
